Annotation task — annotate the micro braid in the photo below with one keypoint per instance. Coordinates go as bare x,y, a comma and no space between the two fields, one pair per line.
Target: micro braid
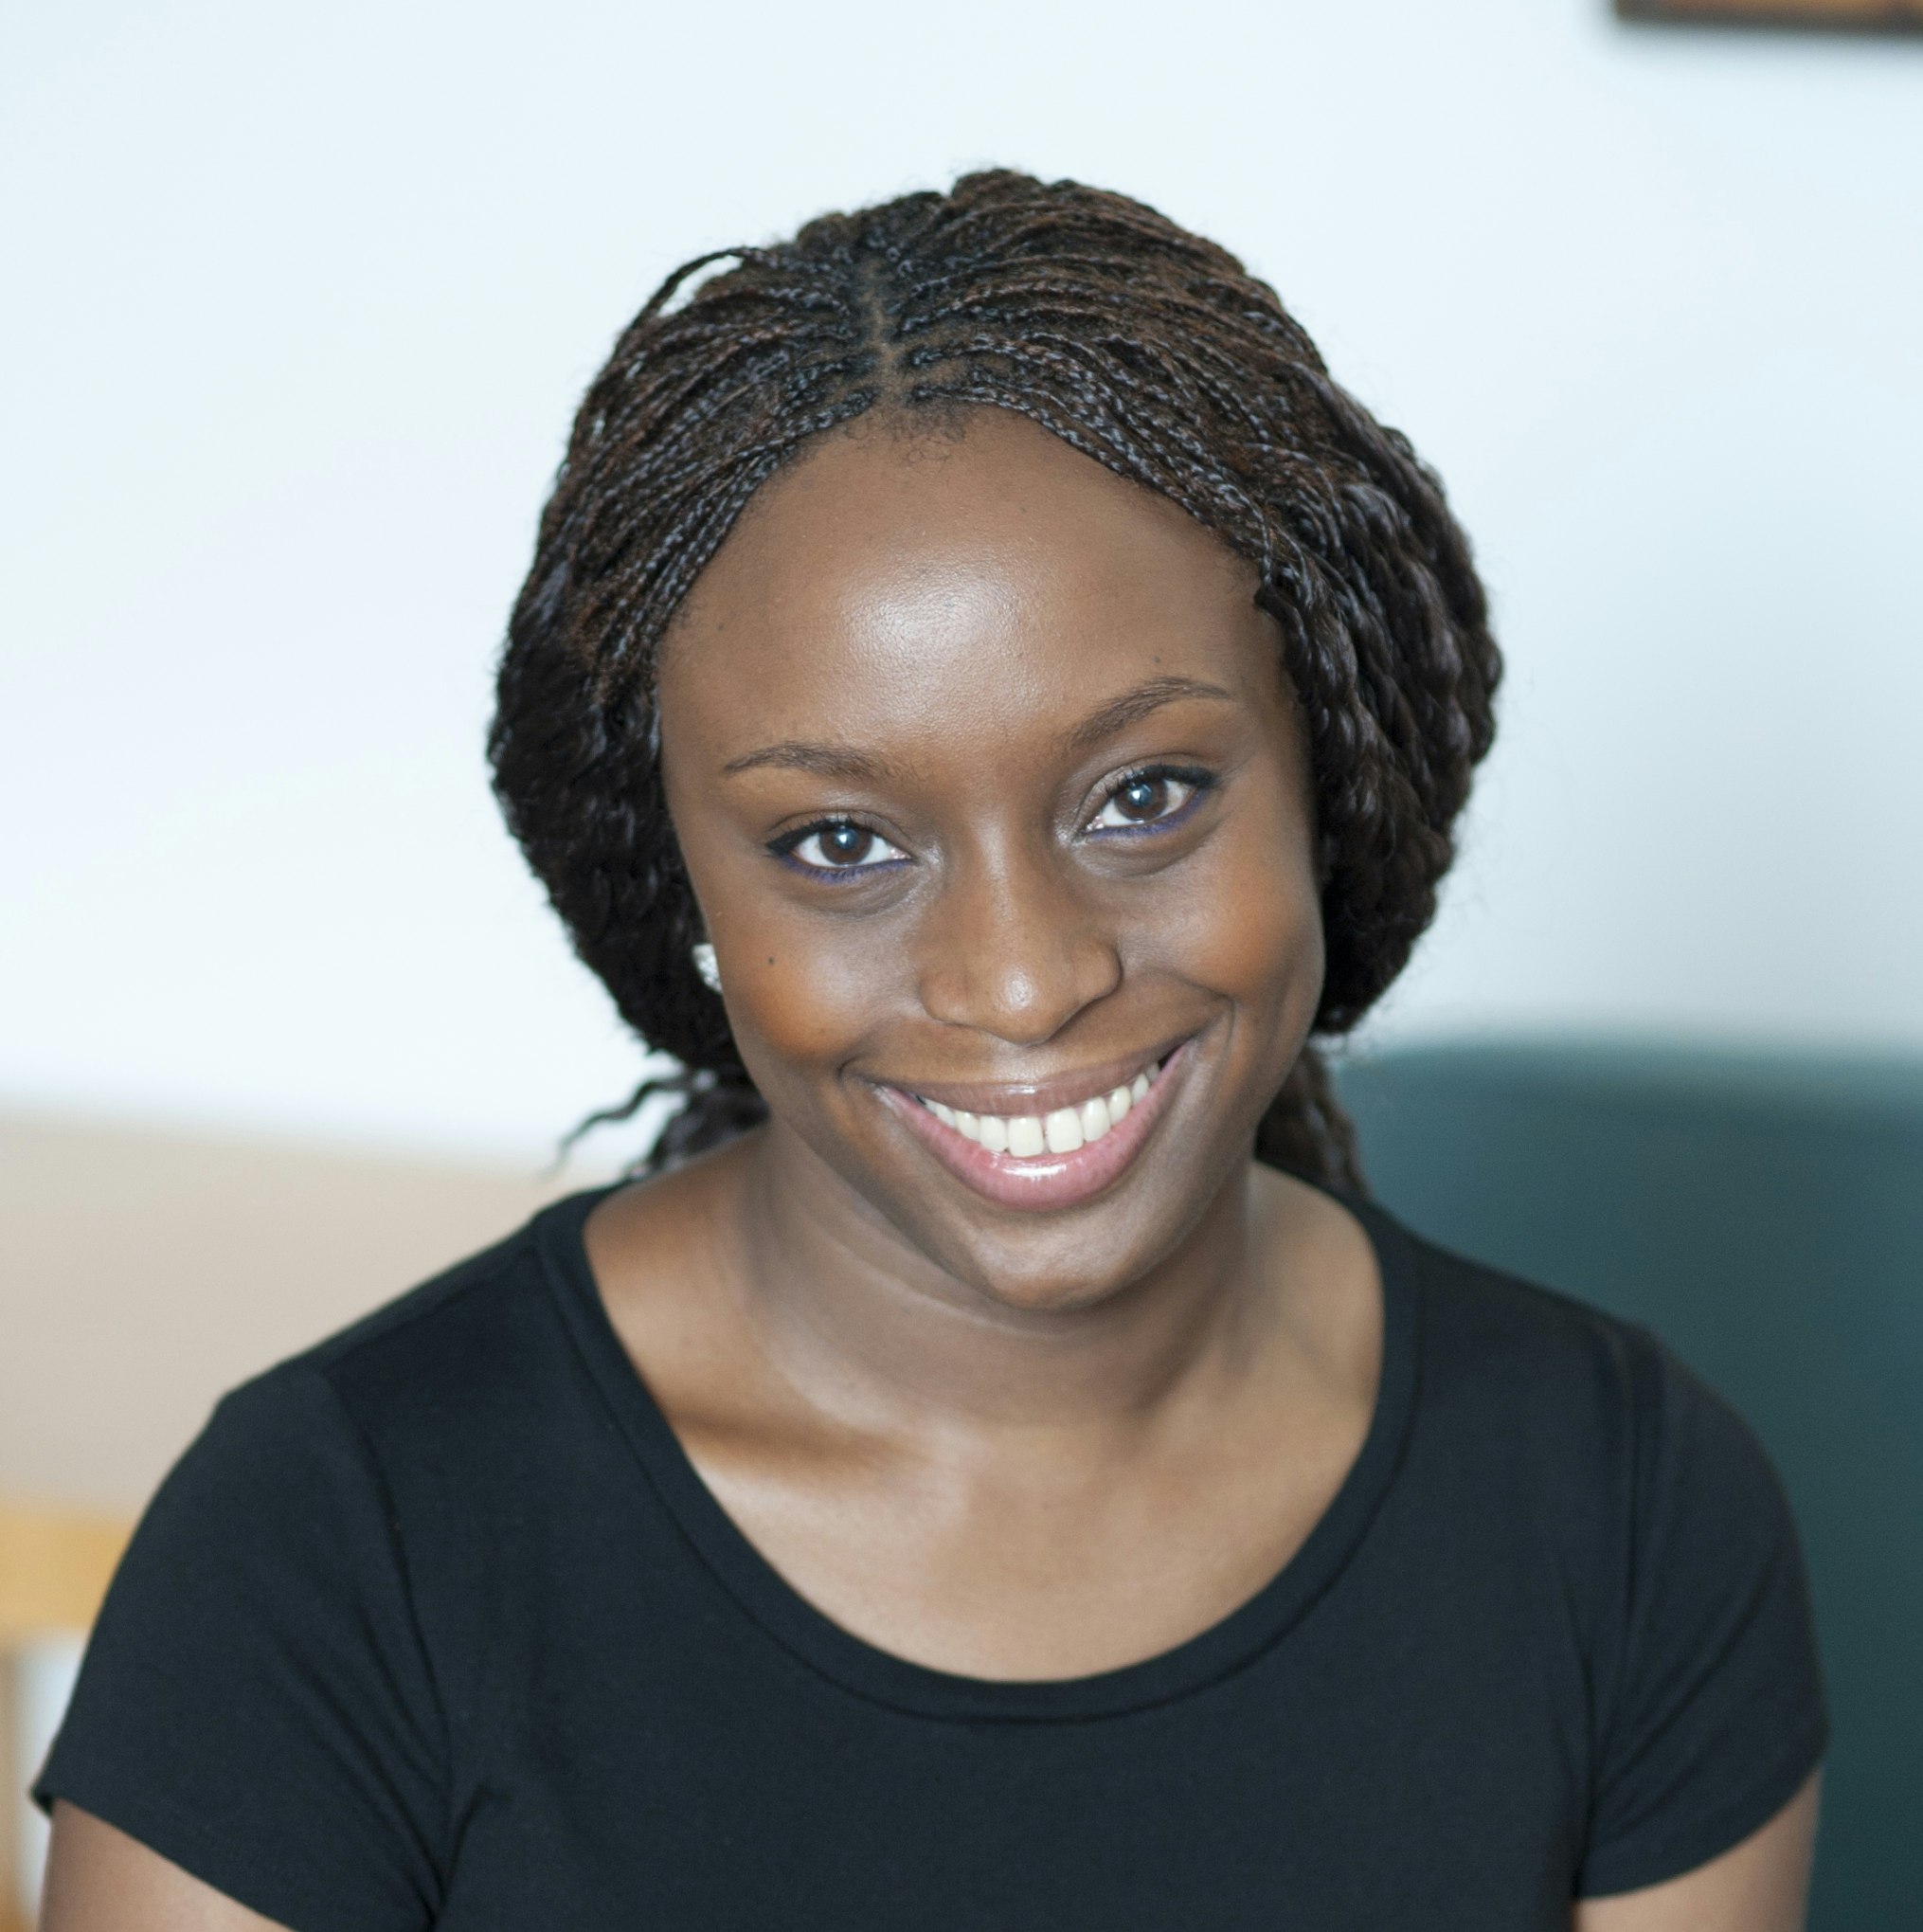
1144,346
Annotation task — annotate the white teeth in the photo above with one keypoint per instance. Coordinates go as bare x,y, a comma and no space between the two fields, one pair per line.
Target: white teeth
1060,1132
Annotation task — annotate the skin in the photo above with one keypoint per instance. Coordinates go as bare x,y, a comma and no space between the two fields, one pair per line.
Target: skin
1011,1443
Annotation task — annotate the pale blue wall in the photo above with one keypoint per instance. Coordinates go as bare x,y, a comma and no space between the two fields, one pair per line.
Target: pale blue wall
300,300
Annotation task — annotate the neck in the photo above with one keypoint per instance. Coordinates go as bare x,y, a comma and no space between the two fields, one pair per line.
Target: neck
867,1327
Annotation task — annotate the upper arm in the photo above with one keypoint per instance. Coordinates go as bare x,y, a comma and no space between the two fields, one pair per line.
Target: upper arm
256,1705
1761,1884
1710,1719
100,1880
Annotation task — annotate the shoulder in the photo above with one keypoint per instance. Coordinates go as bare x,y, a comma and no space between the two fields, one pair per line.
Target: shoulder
350,1499
1499,1344
287,1660
1598,1478
1579,1432
412,1400
477,1330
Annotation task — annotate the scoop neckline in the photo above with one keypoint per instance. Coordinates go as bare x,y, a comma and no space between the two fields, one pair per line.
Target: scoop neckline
881,1676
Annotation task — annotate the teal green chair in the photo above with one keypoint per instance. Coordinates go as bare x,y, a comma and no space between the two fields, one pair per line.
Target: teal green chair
1765,1216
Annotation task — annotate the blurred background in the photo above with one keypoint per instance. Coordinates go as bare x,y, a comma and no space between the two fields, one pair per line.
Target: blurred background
301,304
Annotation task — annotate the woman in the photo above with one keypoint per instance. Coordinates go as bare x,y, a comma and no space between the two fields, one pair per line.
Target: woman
983,701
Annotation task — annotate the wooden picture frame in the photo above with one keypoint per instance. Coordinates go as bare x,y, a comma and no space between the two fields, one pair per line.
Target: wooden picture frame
1858,16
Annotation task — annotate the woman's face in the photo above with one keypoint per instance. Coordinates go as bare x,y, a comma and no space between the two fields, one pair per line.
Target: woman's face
993,795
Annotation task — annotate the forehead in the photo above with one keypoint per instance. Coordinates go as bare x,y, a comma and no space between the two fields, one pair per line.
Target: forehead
984,574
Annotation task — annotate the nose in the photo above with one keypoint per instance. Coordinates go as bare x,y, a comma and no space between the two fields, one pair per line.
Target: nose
1011,949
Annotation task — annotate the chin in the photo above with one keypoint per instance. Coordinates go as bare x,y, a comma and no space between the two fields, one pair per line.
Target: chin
1050,1292
1064,1264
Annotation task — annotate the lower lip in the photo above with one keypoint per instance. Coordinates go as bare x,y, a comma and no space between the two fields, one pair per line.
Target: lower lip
1045,1181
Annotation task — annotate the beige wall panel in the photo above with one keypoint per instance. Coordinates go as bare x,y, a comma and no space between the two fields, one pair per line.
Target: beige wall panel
143,1272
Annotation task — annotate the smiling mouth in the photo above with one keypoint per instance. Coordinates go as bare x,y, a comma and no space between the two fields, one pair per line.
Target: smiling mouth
1058,1157
1065,1130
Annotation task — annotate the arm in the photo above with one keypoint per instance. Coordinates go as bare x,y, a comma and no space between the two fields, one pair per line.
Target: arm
255,1705
99,1880
1759,1886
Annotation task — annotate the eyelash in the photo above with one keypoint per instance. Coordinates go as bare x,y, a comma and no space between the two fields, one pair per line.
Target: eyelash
786,845
1199,782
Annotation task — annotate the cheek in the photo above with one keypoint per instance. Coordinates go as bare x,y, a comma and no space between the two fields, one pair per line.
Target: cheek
797,989
800,992
1247,923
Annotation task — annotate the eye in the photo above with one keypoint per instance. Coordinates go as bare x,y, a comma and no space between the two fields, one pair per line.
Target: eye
837,845
1146,801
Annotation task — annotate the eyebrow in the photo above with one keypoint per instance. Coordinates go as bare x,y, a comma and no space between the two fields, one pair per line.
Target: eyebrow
1132,706
825,761
844,761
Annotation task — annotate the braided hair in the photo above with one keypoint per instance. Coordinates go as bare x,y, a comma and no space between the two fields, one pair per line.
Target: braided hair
1149,350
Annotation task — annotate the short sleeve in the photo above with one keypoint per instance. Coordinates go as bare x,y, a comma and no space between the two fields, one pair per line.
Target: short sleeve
255,1704
1716,1714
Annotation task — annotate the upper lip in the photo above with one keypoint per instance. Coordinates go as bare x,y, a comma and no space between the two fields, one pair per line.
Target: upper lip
1043,1094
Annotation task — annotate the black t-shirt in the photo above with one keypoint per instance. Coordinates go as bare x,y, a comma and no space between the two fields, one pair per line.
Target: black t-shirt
436,1626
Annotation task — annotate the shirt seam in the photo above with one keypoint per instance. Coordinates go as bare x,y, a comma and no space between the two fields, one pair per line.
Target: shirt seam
323,1357
1673,1851
391,1522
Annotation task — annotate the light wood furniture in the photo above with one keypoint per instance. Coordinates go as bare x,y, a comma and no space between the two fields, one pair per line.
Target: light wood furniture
55,1565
